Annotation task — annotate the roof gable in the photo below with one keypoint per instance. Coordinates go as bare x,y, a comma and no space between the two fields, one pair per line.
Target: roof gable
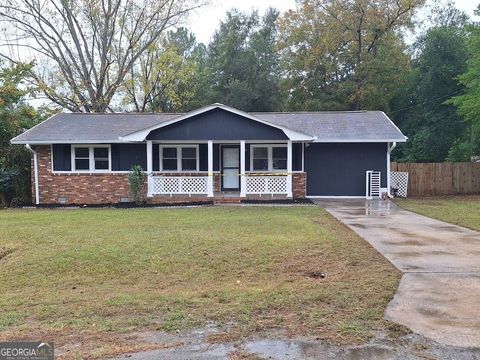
217,124
289,133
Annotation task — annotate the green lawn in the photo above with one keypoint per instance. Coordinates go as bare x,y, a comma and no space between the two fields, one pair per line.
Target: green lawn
90,276
459,210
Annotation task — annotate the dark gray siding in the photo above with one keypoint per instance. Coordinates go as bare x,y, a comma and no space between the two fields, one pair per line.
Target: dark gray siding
124,156
217,124
203,157
62,160
338,169
216,157
156,157
297,156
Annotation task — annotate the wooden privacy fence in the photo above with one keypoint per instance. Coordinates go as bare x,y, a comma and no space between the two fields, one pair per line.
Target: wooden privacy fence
440,178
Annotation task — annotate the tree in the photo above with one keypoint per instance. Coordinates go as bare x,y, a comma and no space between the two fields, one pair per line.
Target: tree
468,103
419,109
90,45
166,76
242,64
443,13
344,54
16,115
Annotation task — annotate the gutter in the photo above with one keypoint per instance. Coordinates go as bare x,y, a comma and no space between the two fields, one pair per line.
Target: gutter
389,151
35,171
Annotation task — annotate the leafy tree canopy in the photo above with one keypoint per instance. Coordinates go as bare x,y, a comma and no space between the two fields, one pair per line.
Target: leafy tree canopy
344,54
16,115
420,109
242,62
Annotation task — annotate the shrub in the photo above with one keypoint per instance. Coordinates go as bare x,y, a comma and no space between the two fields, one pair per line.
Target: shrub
136,184
7,182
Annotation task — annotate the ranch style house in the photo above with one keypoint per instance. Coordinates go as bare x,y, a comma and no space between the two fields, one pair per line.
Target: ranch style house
215,153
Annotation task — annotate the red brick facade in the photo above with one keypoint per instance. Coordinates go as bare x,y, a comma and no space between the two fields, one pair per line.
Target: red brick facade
299,185
94,188
73,188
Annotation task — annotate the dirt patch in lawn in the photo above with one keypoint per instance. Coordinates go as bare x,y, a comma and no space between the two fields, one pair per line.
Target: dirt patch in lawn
4,251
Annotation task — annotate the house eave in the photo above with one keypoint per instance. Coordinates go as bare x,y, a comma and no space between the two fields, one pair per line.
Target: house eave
359,140
124,140
66,141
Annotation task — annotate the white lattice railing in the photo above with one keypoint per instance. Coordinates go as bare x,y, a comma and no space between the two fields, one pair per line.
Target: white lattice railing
168,185
257,184
399,181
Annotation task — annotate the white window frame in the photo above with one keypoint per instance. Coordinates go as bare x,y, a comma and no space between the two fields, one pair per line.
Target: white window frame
179,158
91,158
269,155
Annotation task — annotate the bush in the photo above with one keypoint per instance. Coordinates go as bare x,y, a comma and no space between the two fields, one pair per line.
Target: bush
136,184
7,183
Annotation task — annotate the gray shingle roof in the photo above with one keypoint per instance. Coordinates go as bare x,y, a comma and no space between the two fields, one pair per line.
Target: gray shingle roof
368,126
74,127
333,126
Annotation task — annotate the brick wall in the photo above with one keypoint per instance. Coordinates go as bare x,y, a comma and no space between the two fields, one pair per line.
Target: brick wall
77,188
94,188
299,184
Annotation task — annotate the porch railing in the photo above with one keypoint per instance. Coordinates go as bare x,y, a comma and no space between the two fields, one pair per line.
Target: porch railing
198,185
266,184
185,185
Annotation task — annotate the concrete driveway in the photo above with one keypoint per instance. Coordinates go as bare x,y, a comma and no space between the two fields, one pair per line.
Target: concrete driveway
439,293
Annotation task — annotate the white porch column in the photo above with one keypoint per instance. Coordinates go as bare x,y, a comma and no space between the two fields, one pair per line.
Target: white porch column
210,169
389,151
149,169
243,180
289,169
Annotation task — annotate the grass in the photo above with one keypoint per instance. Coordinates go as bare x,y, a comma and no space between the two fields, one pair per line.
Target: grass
97,275
463,210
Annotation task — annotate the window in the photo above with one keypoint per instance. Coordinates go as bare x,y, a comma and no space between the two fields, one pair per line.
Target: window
279,158
189,159
260,158
82,158
169,158
100,157
179,158
268,157
91,158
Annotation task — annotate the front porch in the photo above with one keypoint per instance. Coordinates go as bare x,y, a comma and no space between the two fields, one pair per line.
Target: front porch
233,169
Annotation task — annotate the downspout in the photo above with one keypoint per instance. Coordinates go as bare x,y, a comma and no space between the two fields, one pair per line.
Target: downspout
389,151
35,172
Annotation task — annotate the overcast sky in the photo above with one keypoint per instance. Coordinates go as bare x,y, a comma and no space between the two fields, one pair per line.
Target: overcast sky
205,20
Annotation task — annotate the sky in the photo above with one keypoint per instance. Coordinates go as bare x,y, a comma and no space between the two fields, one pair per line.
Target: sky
204,21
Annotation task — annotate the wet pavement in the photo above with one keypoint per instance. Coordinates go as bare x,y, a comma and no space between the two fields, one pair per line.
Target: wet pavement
195,346
439,294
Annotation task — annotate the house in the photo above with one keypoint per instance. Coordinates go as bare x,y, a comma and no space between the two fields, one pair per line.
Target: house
212,153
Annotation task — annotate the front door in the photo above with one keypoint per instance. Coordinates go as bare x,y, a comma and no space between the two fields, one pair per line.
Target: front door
230,167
